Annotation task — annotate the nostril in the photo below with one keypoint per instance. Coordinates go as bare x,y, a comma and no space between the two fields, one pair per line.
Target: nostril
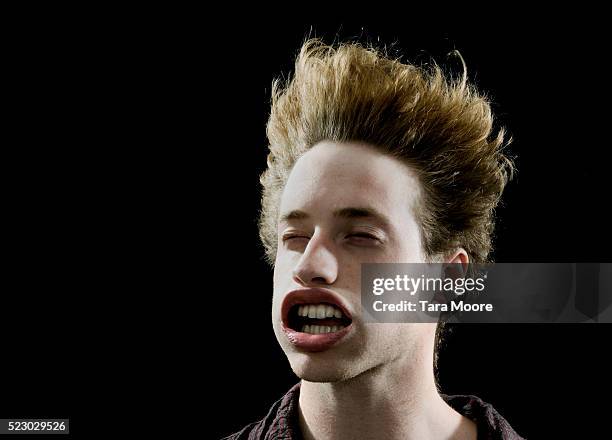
307,281
299,280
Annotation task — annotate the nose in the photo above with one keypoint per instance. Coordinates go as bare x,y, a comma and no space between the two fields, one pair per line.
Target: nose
317,265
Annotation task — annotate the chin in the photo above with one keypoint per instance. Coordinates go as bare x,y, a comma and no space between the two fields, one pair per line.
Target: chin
313,367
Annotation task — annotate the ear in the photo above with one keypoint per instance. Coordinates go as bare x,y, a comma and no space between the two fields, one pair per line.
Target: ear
460,256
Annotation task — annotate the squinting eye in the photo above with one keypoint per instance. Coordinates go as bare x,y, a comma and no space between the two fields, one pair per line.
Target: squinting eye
294,237
364,237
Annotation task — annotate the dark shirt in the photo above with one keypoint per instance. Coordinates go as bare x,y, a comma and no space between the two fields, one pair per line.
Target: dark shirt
282,421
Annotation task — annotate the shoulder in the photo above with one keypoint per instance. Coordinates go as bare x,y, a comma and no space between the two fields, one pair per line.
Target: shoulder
281,420
251,431
491,424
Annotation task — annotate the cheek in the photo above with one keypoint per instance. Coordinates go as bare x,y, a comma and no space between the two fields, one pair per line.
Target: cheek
282,279
283,269
410,250
394,252
349,275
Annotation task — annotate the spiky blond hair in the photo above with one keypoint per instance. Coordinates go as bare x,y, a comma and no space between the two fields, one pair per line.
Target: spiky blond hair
440,126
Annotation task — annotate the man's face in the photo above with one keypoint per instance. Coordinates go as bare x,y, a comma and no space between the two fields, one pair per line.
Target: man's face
344,204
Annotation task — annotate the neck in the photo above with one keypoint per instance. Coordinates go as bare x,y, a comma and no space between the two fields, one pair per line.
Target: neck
398,400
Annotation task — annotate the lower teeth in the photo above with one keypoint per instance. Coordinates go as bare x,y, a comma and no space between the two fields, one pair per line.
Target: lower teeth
320,329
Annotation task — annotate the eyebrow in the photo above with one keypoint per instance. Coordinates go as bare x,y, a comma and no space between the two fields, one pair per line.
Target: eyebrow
346,213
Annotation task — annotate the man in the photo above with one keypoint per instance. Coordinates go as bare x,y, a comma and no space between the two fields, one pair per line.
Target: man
375,161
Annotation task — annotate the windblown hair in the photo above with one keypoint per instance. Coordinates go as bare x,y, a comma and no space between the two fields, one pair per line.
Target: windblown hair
440,126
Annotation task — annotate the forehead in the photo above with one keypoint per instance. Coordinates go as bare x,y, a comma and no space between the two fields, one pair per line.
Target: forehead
334,175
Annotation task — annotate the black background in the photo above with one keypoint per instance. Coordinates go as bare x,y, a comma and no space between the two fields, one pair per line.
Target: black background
135,280
545,85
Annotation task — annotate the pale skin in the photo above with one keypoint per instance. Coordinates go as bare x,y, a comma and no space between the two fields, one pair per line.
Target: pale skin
378,382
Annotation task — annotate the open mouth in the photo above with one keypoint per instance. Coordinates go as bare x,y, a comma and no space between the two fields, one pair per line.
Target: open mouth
317,318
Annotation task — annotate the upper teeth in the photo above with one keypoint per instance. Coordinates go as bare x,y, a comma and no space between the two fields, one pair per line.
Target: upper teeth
319,311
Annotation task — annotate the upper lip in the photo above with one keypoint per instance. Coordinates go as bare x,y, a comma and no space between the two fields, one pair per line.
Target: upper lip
311,296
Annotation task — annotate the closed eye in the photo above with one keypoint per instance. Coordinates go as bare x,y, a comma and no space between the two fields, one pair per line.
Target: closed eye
363,238
293,237
363,235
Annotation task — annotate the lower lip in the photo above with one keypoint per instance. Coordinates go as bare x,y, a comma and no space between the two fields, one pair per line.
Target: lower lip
315,343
